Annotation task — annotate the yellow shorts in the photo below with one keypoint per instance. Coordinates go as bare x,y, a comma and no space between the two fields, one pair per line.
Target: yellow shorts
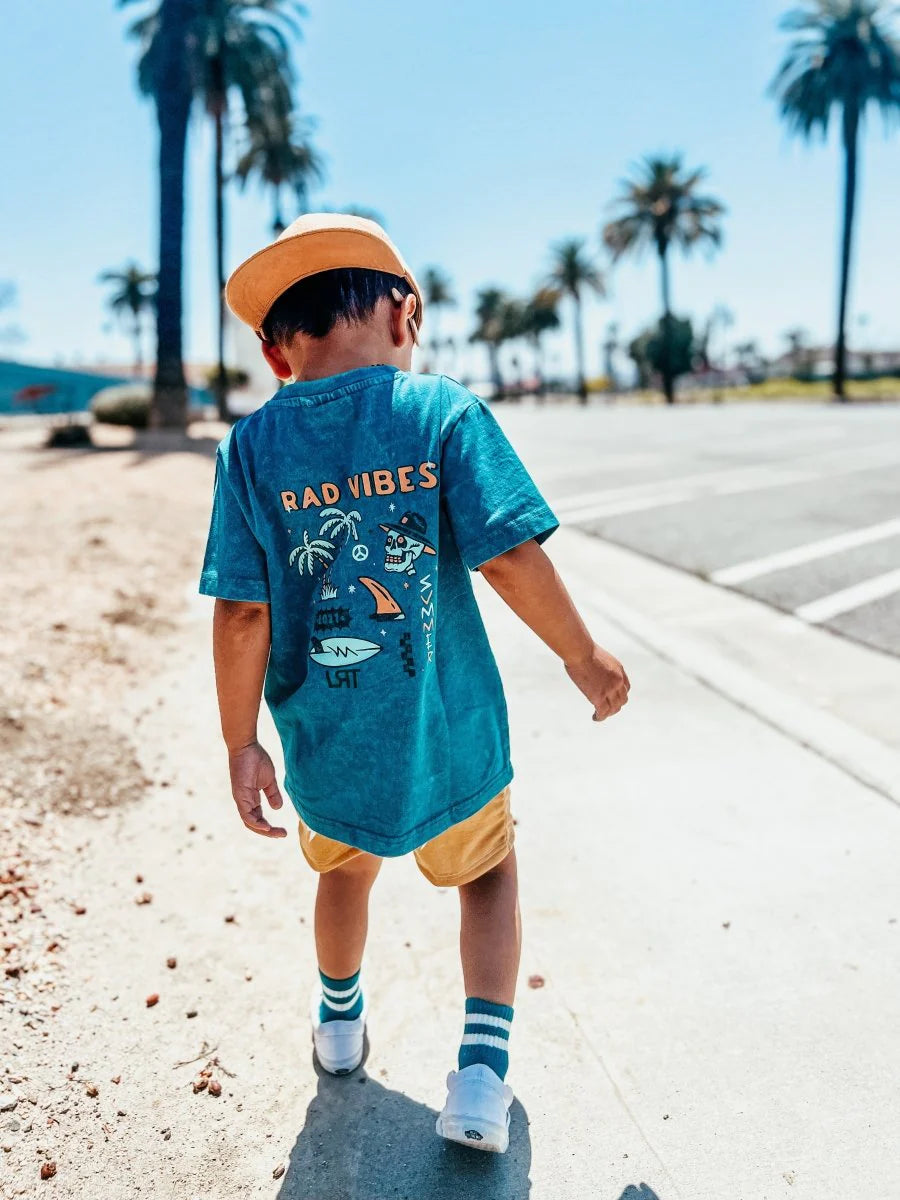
456,856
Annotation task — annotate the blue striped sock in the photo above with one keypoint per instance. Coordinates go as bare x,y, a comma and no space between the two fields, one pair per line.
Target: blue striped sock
342,999
486,1035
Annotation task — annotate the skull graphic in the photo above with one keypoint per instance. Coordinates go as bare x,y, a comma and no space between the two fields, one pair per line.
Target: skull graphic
406,541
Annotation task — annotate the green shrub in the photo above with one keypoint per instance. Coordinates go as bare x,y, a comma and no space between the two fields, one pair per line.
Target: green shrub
235,378
123,404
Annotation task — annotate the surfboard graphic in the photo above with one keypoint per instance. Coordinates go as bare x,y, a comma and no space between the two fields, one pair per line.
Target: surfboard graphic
342,651
386,607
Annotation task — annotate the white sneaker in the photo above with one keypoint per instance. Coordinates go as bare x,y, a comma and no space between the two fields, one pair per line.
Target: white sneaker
338,1044
477,1109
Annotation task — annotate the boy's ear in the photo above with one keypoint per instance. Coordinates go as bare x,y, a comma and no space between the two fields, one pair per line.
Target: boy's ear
274,356
402,323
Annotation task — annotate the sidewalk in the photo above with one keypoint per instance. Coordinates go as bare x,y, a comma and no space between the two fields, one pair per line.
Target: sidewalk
713,910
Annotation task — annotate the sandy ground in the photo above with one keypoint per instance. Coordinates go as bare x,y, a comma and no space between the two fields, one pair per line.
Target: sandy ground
99,549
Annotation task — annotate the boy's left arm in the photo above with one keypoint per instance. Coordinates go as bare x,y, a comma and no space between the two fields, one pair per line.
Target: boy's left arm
528,581
241,644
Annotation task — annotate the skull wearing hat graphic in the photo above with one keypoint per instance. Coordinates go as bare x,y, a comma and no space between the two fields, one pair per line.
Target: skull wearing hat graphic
406,541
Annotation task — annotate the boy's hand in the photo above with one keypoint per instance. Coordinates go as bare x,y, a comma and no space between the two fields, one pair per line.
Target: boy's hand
602,679
252,772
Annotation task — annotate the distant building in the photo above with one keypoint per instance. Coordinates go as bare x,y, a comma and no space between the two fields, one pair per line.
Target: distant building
818,361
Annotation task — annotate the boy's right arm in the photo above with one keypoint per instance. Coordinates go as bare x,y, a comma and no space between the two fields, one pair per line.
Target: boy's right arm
527,580
241,644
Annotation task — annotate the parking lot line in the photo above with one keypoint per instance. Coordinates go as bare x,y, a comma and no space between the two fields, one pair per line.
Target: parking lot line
808,552
849,598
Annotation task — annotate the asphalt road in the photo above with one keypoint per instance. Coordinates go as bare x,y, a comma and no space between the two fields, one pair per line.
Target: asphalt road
797,505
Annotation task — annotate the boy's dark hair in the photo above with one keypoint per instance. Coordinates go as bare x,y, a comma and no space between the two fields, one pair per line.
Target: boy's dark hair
316,304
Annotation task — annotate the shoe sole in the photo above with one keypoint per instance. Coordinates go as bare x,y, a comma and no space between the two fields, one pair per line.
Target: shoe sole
474,1133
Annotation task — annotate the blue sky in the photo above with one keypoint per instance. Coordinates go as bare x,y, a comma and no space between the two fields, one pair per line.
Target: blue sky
482,133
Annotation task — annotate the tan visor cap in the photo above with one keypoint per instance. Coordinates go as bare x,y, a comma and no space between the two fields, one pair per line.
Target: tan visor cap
314,242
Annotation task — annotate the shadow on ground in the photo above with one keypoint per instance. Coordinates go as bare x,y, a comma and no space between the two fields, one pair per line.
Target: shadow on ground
363,1141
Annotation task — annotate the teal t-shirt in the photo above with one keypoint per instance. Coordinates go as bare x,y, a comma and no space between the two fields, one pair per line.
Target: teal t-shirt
355,506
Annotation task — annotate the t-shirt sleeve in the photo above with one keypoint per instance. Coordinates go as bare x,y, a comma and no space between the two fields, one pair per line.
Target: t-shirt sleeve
234,567
492,502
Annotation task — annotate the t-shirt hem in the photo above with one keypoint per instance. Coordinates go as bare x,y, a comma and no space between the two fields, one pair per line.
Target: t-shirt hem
393,847
251,591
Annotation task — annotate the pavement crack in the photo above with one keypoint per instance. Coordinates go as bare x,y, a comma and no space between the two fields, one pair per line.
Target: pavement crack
601,1062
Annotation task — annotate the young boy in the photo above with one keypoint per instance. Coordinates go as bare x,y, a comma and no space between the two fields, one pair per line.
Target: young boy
348,512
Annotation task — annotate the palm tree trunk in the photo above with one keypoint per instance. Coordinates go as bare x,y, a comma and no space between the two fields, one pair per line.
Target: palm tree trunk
579,349
277,219
539,366
851,137
494,357
173,104
138,356
667,375
219,188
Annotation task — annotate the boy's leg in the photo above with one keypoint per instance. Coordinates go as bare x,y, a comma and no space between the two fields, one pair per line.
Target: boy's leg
490,942
490,935
342,919
342,915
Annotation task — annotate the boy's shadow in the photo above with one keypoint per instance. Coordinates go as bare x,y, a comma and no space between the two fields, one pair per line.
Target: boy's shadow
363,1141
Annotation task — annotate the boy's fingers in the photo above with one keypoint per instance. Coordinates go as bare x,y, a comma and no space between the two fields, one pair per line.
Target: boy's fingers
273,795
259,824
252,815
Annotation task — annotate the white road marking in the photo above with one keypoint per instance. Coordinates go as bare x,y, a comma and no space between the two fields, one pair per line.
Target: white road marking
849,598
808,552
732,481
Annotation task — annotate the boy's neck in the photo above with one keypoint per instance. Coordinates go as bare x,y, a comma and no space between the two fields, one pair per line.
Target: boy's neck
344,349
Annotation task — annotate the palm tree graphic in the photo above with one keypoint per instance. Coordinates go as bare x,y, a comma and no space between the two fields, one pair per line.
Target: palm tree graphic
336,522
312,553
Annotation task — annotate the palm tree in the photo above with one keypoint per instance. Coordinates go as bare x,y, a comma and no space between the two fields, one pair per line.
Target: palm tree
279,152
843,57
492,328
164,73
540,315
228,46
311,554
336,522
437,293
661,207
573,271
135,295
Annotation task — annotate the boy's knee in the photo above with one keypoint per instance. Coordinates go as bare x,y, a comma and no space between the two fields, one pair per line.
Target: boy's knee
361,868
500,873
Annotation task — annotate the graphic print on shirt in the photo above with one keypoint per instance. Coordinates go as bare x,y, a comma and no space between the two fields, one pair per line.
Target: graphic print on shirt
334,646
426,596
406,653
386,607
406,542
